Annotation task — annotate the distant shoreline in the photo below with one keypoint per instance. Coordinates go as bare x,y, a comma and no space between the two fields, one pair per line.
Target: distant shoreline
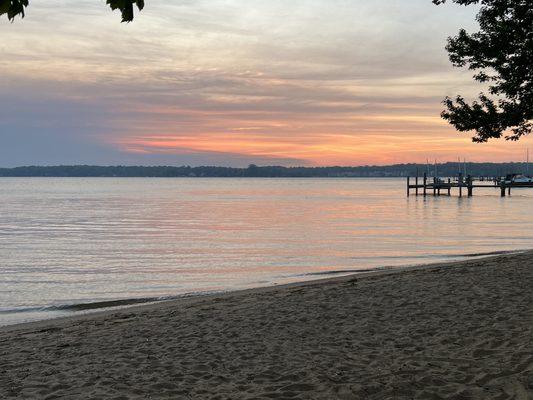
254,171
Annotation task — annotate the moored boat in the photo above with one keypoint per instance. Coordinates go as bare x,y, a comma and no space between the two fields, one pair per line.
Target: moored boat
519,180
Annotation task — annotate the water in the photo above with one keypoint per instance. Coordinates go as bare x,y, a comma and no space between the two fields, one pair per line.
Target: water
68,245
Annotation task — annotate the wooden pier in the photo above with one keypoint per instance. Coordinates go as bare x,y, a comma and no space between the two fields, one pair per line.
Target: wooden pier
464,185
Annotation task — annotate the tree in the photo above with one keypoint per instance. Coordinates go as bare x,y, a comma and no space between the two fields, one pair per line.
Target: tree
501,54
17,7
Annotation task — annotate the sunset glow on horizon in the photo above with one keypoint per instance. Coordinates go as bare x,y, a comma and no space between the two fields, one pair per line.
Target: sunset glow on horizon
233,82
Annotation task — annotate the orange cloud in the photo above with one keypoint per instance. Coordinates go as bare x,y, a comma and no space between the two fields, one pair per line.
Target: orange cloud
347,83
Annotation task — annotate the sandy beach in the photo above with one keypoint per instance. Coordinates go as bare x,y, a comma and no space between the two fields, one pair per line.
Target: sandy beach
449,331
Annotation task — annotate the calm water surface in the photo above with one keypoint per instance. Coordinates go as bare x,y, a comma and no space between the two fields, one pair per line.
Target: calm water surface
66,242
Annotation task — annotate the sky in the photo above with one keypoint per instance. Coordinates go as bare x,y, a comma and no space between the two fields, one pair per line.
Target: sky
234,82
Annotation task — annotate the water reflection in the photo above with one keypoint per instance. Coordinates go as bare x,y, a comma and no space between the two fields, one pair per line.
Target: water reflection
67,241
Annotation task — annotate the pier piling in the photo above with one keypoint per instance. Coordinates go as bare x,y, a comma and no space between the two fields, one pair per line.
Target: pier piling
502,186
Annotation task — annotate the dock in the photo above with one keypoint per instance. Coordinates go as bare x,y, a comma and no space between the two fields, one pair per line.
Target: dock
463,185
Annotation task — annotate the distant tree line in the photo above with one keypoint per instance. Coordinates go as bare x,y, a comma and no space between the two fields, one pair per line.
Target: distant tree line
254,171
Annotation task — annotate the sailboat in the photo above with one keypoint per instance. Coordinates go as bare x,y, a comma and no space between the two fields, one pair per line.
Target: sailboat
521,179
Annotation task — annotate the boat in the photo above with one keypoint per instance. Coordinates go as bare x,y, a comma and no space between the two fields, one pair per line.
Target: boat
519,180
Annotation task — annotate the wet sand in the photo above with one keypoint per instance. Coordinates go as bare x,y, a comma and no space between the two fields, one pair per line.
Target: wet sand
449,331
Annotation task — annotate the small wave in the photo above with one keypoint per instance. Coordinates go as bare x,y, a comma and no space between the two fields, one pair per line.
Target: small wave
343,271
106,304
434,257
97,304
439,256
489,253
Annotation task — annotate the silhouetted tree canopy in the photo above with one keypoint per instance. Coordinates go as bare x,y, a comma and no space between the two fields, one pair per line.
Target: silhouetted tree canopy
501,54
17,7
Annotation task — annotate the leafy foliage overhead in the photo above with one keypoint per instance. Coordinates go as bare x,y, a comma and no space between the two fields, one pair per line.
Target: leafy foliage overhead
501,54
126,7
12,8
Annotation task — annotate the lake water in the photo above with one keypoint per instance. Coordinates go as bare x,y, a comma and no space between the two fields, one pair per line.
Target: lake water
67,245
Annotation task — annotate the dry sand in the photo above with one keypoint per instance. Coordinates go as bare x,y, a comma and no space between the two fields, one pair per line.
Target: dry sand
455,331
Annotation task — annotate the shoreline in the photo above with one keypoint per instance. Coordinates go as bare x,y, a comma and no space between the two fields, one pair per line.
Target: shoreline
458,330
138,304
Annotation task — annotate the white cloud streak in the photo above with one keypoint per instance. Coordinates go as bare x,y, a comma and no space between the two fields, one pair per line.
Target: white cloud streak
305,81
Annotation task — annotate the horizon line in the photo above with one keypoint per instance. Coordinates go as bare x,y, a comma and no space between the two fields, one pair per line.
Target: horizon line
252,165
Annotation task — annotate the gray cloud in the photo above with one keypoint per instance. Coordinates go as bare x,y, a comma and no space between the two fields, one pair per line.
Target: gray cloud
75,84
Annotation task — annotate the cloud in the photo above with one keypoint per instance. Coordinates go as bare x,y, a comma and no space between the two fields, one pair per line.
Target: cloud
232,82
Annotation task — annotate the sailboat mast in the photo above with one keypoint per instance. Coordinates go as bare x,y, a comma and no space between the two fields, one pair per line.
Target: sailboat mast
527,161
